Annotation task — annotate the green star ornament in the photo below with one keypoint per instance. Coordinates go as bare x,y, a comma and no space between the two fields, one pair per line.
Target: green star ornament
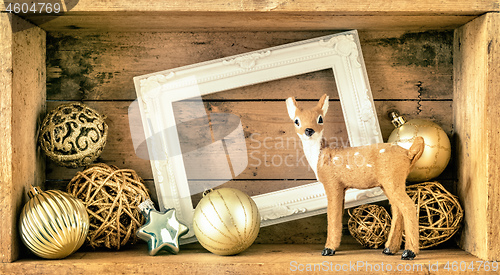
162,230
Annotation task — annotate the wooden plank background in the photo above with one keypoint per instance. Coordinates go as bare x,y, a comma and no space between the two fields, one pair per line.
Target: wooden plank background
410,72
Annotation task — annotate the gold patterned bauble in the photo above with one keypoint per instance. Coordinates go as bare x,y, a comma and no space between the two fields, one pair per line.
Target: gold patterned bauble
370,225
226,221
53,224
73,135
437,150
439,213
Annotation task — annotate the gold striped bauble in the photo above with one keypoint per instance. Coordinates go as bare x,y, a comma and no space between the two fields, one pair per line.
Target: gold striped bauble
226,221
53,224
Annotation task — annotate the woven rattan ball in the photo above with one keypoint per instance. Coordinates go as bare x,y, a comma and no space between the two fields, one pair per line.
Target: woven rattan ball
369,225
111,196
73,135
439,213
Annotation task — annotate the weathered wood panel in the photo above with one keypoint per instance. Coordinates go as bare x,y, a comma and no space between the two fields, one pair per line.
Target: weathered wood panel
476,115
8,250
392,7
22,102
258,259
140,16
406,66
270,136
161,22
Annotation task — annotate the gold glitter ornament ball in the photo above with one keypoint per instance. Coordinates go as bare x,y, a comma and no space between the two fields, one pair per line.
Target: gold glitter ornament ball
226,221
437,150
53,224
73,135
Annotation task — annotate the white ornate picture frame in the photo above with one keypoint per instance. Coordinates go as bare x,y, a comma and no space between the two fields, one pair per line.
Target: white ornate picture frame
158,91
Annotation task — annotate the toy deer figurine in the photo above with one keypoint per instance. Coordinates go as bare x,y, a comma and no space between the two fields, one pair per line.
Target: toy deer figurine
384,165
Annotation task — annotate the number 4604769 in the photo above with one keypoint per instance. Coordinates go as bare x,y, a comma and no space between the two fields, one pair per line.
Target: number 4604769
33,8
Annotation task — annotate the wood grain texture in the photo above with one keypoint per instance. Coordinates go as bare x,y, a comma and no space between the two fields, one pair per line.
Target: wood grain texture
406,7
22,104
8,251
273,148
400,65
258,259
251,15
241,21
493,51
476,119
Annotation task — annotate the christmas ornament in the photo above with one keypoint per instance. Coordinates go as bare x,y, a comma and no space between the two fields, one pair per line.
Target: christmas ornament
439,213
109,195
73,135
226,221
437,150
53,224
162,230
369,225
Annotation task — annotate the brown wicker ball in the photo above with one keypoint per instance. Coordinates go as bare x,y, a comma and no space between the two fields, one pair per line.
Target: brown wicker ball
73,135
111,196
369,225
439,213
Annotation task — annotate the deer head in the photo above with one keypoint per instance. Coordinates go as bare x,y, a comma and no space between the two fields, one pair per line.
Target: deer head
308,123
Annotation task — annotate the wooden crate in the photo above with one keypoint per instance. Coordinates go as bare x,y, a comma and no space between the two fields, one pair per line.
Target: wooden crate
433,61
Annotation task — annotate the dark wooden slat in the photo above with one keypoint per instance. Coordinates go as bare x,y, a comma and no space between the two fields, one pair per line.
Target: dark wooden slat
100,66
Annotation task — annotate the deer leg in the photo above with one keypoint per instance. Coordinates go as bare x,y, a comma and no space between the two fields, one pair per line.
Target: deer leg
398,197
396,233
335,209
411,228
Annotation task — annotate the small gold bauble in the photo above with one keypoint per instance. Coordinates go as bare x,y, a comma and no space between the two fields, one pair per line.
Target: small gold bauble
226,221
369,224
53,224
73,135
437,150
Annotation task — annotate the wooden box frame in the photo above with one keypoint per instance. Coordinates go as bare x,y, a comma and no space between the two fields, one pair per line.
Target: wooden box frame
157,92
475,100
